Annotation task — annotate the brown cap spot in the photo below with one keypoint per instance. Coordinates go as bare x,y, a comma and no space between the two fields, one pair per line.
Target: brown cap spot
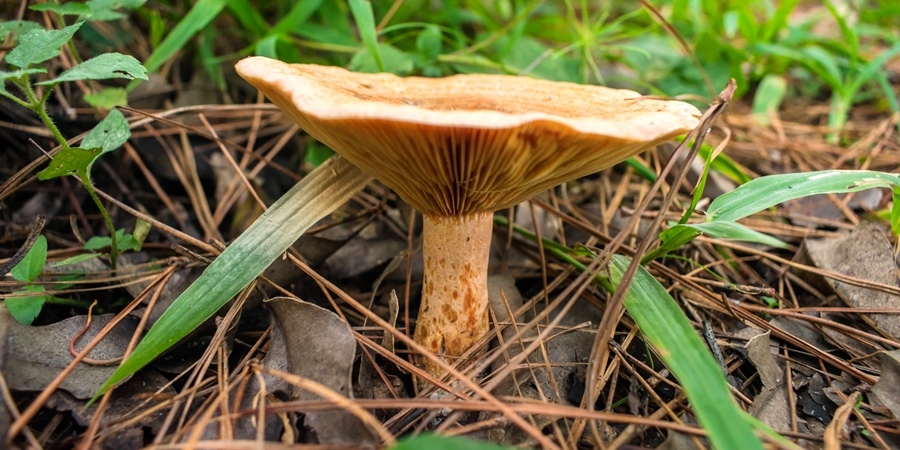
467,143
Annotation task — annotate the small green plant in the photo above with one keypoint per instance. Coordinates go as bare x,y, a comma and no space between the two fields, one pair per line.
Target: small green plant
27,302
34,47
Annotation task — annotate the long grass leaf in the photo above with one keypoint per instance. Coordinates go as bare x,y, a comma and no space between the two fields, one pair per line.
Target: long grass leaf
319,193
666,328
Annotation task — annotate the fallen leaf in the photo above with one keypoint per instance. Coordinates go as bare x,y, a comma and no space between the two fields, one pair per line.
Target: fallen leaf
38,354
886,386
314,343
865,253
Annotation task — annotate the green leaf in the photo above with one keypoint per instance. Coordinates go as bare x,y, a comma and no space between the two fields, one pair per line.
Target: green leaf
199,17
248,15
123,242
296,16
319,193
721,230
429,44
38,45
73,160
365,23
64,9
105,66
19,73
769,95
666,328
26,309
437,442
28,269
104,10
109,134
765,192
108,98
17,26
394,61
75,259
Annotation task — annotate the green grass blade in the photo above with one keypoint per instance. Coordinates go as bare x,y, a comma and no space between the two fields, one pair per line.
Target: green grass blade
199,17
249,17
666,328
297,16
319,193
365,22
766,192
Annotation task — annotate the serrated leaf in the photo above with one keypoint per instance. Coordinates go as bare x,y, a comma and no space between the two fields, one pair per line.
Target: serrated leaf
38,45
109,134
108,98
26,309
105,66
64,9
73,160
102,10
16,26
33,263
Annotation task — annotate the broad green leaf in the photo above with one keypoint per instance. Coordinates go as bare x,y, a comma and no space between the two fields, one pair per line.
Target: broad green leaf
108,98
437,442
365,23
32,264
666,328
105,66
26,309
17,26
68,161
38,45
103,10
724,230
319,193
429,44
64,9
123,242
109,134
199,17
394,61
765,192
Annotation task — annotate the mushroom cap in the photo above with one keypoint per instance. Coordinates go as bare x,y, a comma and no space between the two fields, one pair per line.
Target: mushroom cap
467,143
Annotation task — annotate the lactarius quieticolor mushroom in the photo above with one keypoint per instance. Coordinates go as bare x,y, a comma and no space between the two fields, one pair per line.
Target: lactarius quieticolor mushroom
459,148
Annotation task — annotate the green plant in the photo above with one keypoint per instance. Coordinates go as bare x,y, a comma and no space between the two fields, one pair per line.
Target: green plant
26,303
35,46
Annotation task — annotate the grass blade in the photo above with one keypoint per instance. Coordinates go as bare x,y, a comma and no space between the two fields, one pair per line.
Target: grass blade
365,22
766,192
199,17
319,193
665,326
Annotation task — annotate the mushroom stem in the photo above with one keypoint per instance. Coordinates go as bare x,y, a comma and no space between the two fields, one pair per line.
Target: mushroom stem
454,310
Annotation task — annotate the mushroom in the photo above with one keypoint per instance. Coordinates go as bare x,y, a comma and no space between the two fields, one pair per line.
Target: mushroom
459,148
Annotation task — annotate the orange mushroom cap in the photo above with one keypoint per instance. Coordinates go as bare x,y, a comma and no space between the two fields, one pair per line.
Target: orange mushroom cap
465,144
